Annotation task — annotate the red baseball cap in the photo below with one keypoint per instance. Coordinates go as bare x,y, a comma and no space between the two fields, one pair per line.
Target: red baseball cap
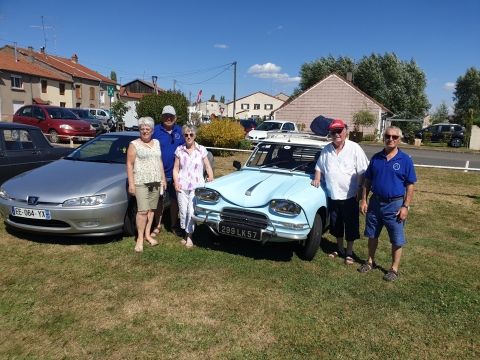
337,124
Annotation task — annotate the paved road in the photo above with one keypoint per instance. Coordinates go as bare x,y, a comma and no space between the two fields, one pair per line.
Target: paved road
433,157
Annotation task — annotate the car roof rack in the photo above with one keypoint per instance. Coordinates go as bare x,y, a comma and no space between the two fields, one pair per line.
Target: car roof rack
295,135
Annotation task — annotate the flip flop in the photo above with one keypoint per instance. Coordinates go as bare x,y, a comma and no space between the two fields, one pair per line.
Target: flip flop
349,260
391,275
156,231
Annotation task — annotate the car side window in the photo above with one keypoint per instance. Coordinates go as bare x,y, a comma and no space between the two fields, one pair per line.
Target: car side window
17,139
288,126
92,112
26,111
102,113
38,113
445,128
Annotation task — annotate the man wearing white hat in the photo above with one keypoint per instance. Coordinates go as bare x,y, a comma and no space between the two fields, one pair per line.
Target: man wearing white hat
170,136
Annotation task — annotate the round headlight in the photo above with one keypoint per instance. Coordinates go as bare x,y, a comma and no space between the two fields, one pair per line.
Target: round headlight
285,207
205,194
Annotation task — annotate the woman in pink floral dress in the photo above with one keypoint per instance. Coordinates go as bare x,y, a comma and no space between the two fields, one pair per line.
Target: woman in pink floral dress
190,162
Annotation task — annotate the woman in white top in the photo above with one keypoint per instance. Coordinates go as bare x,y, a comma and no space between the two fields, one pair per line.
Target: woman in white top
146,179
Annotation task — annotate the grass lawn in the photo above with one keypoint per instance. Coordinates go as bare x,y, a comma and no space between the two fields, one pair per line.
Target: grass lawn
233,299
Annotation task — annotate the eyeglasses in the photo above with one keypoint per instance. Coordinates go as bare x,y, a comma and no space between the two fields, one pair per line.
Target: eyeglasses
392,137
336,131
168,116
145,129
189,135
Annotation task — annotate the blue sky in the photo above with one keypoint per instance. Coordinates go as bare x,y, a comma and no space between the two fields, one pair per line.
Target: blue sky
191,42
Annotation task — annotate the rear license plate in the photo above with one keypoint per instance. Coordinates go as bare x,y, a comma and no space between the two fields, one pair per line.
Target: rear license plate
31,213
239,231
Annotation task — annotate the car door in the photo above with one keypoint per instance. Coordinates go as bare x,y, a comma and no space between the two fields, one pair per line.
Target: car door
39,118
436,133
18,154
24,116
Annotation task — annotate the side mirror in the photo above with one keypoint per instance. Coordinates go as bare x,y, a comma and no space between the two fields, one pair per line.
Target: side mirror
237,165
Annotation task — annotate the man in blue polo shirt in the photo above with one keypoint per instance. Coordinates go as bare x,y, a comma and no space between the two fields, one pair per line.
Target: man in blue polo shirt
391,177
170,136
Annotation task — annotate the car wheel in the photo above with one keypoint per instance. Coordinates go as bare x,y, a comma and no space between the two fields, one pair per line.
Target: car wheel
53,136
129,224
308,250
456,143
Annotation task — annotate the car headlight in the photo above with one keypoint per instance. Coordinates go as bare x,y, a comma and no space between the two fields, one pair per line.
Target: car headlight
85,200
66,127
285,207
206,194
3,194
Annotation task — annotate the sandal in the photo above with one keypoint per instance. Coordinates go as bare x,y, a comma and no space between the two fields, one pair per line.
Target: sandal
391,275
335,254
152,242
366,267
349,260
156,231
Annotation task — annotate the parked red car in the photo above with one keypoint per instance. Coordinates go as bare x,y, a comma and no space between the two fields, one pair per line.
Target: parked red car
58,123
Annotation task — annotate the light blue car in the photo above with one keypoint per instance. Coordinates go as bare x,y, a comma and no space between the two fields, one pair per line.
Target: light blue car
270,198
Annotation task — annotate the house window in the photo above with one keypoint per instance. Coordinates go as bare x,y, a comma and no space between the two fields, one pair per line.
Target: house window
256,106
62,104
44,86
245,106
16,82
78,105
268,106
62,88
92,93
78,91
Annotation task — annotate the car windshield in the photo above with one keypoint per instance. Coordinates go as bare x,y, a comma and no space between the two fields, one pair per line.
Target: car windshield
283,156
267,126
107,148
60,113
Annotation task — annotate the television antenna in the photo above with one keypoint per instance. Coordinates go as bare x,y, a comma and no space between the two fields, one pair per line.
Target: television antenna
43,27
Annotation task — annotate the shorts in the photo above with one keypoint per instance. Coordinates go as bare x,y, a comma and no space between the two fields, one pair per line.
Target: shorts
147,197
381,214
344,218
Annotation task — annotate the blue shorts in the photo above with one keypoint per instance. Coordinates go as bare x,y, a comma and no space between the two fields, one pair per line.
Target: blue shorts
344,218
381,214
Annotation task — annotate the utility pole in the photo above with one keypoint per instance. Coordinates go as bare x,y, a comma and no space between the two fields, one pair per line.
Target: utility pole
174,83
234,86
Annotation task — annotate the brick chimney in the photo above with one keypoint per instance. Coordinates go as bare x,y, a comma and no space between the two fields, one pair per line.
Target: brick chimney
42,49
30,50
74,58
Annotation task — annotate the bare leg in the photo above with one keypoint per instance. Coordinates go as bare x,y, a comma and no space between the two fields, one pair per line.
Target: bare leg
396,255
148,237
372,248
157,219
141,219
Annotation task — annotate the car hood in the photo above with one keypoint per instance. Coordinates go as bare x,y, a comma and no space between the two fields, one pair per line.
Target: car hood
65,179
257,134
255,188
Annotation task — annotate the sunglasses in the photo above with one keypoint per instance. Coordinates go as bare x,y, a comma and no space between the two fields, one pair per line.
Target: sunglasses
336,131
189,135
168,116
392,137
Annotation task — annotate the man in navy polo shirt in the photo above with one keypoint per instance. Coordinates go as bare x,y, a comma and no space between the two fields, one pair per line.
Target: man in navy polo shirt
391,177
170,136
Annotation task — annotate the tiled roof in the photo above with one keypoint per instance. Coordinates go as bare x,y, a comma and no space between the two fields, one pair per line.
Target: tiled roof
68,66
23,66
256,92
132,95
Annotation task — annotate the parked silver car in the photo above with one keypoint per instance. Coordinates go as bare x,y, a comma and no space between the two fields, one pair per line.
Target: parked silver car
83,194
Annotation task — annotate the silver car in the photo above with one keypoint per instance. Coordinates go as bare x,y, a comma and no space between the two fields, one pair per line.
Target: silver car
84,193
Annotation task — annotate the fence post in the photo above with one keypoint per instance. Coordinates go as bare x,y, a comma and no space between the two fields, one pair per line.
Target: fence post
467,164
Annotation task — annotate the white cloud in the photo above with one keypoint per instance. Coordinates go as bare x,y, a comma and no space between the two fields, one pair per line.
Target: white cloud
449,86
271,71
220,46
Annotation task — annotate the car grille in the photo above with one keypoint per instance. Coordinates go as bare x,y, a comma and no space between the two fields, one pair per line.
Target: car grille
243,217
39,222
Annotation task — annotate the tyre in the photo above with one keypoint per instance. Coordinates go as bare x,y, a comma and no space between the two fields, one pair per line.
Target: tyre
53,136
308,250
129,224
456,142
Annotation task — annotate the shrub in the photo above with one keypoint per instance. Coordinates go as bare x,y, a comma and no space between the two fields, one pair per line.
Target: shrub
245,144
152,105
363,118
221,133
369,137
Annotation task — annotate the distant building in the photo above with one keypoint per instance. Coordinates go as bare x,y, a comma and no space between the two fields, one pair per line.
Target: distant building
256,105
332,97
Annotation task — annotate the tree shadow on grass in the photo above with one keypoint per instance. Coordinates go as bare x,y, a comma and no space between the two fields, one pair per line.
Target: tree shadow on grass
62,239
204,238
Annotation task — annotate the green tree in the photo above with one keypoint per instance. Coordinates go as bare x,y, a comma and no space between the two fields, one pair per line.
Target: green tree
152,105
363,118
212,98
113,76
467,96
119,109
440,114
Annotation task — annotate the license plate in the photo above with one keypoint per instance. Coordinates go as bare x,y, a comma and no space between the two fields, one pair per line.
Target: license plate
31,213
239,231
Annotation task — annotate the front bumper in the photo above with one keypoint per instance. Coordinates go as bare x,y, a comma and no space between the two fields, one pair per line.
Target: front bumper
276,230
102,220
